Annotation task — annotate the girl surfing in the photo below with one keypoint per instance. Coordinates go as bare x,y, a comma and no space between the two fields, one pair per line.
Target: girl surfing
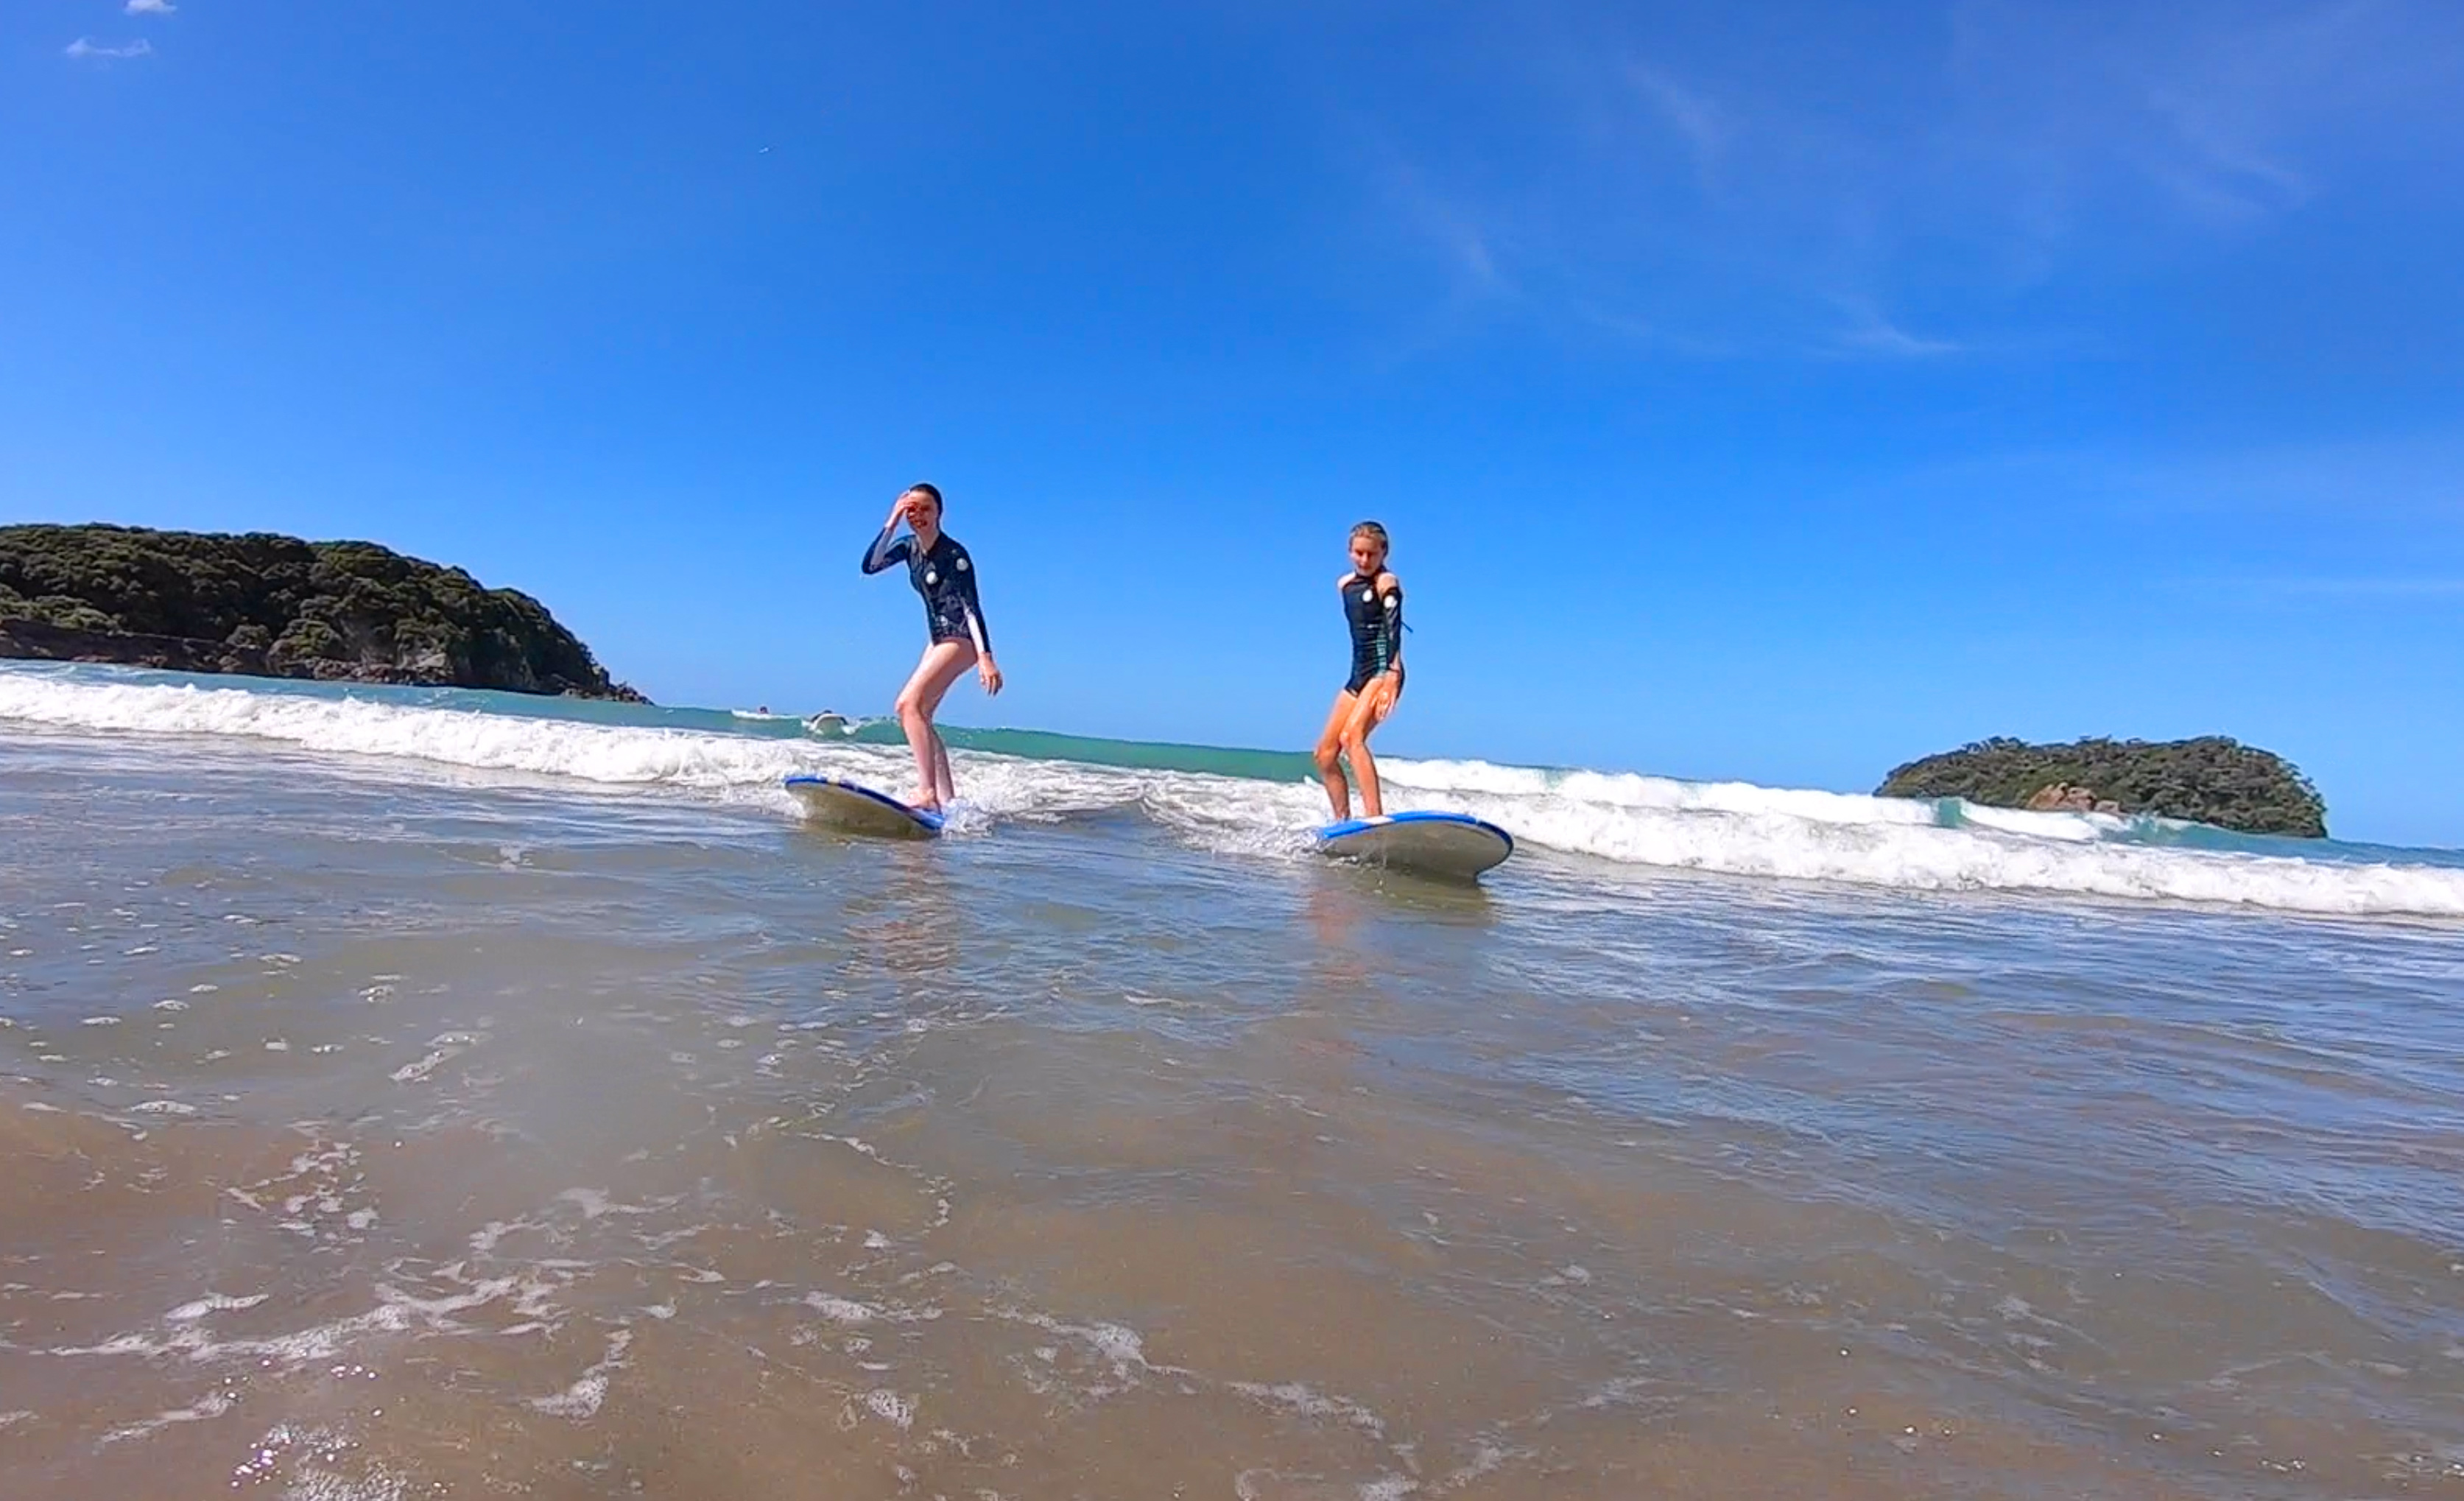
945,576
1372,607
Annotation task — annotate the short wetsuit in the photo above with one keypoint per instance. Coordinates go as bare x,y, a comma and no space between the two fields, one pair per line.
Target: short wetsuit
946,577
1376,622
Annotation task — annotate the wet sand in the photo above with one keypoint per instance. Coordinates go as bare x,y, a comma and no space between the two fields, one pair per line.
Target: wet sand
456,1135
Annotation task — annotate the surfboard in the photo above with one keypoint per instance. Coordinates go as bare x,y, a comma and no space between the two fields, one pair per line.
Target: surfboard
1453,845
859,810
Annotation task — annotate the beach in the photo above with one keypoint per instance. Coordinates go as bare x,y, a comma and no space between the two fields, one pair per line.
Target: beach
411,1092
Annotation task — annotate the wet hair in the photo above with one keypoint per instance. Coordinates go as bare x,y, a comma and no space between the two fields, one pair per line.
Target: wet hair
1376,533
921,488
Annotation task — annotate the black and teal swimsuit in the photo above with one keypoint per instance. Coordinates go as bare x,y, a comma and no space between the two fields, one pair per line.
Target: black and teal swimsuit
1376,622
945,576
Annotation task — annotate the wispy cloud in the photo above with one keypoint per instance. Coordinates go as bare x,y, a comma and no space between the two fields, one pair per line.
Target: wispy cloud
2217,118
2369,588
2357,589
87,47
1724,188
2215,172
1643,333
2413,487
1869,333
2387,509
1700,122
151,6
1444,223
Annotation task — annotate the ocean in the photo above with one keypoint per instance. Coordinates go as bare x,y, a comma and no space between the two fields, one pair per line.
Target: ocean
415,1092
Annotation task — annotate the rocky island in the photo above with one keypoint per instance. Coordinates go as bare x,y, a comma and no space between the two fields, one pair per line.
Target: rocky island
2209,780
278,606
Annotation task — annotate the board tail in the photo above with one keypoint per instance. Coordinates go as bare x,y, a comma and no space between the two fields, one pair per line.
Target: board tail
1453,845
859,810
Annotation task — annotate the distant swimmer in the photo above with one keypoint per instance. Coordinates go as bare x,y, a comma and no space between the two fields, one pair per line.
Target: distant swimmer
945,576
1372,608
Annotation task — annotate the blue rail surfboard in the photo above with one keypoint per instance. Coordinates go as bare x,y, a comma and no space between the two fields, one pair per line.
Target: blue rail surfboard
1453,845
858,809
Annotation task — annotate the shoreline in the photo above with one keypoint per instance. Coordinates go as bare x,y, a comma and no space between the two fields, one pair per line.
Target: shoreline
26,640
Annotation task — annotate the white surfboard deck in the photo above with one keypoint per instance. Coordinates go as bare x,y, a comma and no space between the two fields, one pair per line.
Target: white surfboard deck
858,809
1452,845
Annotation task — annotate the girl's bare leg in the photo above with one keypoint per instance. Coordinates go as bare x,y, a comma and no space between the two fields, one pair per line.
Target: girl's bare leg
1368,711
940,666
942,786
1330,755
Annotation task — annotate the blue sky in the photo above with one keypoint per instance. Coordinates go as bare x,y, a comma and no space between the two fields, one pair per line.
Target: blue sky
1770,390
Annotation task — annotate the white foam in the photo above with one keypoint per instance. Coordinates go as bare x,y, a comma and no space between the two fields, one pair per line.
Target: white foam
1738,829
578,1402
312,1484
1733,828
358,726
212,1303
213,1405
1303,1402
1632,790
2073,827
841,1311
1118,1345
396,1313
890,1407
1965,859
418,1072
595,1203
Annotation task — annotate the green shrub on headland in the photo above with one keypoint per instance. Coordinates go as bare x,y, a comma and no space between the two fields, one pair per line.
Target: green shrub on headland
2210,780
276,605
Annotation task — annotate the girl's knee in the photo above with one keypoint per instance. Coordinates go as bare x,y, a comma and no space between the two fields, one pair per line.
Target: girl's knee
1328,754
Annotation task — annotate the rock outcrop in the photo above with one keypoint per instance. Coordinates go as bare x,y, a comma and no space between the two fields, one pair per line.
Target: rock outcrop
2209,780
2061,796
278,606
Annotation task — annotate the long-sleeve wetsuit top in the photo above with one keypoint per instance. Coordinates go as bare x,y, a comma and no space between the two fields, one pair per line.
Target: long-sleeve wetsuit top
945,576
1376,622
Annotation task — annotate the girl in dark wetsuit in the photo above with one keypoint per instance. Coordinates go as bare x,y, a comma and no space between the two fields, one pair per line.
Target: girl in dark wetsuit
945,576
1372,607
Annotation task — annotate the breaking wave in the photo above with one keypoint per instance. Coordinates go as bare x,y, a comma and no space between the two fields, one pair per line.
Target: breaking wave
1733,828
